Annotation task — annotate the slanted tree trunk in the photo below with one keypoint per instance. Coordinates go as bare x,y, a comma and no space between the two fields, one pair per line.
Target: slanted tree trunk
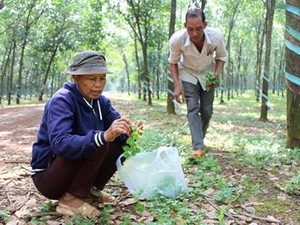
138,69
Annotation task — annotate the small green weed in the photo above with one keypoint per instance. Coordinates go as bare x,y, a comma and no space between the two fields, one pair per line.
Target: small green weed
80,219
227,194
139,207
4,216
126,221
293,186
48,207
221,215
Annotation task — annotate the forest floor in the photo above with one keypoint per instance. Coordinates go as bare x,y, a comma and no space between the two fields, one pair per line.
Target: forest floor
22,202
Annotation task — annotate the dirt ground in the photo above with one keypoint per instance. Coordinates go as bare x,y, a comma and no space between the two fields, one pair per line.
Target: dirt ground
18,128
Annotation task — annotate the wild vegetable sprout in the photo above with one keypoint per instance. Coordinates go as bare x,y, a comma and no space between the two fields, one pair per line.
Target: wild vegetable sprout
131,148
212,81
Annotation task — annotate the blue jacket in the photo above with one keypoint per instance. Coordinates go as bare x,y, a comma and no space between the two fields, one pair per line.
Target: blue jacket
70,127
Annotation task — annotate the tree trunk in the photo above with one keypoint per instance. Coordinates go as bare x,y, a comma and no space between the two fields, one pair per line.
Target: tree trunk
270,8
293,71
47,72
10,80
127,72
170,104
5,64
260,36
158,70
19,86
146,74
27,26
138,70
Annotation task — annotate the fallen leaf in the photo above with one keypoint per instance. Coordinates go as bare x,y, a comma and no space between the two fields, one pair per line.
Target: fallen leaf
274,219
211,215
209,222
250,210
229,222
210,192
129,201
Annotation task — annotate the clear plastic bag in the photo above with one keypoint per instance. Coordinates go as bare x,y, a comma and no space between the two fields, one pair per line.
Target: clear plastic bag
149,173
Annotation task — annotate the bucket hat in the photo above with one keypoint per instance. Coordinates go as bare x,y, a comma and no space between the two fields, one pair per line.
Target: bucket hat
88,62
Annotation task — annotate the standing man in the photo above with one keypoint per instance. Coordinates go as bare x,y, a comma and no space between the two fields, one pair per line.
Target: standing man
195,52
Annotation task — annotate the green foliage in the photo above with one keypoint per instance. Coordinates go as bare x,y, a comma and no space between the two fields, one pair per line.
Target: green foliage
36,220
131,148
126,221
221,215
4,216
293,185
48,207
139,207
212,81
173,211
80,219
226,194
105,215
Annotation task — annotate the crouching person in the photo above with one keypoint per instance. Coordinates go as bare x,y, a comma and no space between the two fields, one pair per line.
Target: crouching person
79,139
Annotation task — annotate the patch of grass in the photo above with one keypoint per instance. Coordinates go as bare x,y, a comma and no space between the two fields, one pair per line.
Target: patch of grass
276,206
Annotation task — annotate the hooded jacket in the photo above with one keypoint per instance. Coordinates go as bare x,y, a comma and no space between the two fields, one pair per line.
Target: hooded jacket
71,127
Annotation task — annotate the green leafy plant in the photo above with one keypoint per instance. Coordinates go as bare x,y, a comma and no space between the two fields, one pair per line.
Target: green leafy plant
80,219
139,207
293,186
212,81
4,216
48,207
131,148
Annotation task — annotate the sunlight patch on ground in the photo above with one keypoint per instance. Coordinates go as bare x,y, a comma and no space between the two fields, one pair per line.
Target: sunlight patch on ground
4,133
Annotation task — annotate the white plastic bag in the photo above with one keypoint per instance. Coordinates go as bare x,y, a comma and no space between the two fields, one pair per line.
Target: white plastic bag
149,173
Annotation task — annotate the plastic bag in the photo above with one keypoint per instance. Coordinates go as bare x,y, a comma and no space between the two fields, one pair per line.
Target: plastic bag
149,173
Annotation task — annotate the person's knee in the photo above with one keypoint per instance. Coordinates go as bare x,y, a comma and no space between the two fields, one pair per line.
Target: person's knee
207,114
193,106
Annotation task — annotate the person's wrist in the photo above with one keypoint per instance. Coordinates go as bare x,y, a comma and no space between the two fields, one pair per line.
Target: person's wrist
105,136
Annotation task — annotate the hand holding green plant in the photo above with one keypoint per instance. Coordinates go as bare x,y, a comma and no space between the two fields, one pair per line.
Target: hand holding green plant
212,81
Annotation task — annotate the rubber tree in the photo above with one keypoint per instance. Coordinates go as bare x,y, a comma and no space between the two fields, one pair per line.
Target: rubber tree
292,70
170,104
270,8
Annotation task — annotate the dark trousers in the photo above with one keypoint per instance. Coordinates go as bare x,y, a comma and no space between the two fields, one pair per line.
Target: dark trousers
78,176
199,111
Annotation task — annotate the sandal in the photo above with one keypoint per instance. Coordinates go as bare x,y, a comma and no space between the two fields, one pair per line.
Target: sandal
86,210
101,195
